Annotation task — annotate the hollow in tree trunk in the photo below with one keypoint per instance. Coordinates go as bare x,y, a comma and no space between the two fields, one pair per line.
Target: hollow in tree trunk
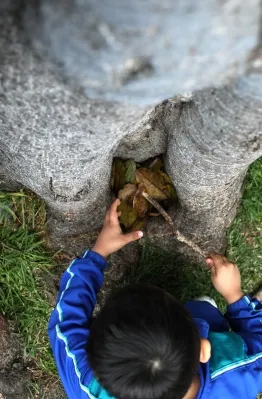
59,143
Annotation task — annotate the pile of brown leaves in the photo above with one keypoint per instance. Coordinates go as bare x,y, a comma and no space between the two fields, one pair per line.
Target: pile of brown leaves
130,181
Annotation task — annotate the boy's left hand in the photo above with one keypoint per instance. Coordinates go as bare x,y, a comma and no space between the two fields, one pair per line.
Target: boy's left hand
111,238
225,277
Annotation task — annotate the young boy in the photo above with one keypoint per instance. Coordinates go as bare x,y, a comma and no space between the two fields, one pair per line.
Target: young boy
144,344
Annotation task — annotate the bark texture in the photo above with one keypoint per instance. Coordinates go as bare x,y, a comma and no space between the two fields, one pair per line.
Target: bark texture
212,139
60,144
144,51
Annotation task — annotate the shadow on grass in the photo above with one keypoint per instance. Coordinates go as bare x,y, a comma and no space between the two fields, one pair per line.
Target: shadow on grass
159,268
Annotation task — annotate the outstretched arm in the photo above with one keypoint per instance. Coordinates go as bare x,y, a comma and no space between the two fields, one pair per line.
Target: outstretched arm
70,321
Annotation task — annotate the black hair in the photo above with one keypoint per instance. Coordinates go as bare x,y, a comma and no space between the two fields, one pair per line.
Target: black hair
144,345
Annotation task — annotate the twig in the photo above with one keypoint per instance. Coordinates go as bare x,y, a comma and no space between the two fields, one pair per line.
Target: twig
176,233
159,208
189,243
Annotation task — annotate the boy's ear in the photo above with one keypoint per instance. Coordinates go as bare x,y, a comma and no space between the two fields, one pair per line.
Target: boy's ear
205,350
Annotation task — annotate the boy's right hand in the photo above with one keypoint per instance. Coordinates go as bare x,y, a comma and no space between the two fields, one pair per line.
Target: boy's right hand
111,238
225,277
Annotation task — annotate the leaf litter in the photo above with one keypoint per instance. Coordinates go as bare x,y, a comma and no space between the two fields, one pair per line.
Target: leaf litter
141,187
130,181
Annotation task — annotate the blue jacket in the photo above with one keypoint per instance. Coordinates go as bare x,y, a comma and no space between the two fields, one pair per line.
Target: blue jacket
235,367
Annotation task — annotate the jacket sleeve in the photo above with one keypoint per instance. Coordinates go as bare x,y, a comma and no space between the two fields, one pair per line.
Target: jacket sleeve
70,322
245,318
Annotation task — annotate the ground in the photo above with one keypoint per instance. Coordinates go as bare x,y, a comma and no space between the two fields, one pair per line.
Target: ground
28,277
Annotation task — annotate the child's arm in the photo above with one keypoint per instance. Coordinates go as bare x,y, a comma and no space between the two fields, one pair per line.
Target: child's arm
244,314
70,321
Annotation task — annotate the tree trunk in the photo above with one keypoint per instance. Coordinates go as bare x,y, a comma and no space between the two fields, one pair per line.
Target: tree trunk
60,144
143,52
212,139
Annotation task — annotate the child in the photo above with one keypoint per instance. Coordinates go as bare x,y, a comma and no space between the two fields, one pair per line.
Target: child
146,345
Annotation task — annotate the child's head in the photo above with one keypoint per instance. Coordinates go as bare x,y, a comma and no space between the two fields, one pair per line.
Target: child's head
144,345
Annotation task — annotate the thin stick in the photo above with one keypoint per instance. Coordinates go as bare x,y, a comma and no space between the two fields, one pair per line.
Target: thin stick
176,233
189,243
159,208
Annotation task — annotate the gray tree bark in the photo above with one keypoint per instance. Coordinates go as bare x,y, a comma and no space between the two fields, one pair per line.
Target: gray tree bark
60,144
212,139
141,52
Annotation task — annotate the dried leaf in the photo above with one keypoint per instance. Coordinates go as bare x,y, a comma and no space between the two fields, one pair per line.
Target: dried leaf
166,178
169,188
119,172
153,182
140,204
130,166
128,193
156,165
171,192
139,224
128,214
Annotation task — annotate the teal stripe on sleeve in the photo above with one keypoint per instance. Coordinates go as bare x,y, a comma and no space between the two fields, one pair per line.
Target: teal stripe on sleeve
227,350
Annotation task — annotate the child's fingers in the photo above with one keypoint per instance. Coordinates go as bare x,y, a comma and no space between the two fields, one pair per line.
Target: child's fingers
211,267
130,237
210,263
224,259
113,211
216,259
107,217
114,206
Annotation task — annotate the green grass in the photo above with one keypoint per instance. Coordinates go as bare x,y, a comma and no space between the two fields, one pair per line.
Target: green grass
157,267
22,209
245,234
24,265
